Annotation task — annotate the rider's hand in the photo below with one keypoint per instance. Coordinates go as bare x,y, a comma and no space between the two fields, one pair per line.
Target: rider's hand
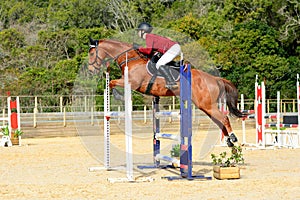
136,46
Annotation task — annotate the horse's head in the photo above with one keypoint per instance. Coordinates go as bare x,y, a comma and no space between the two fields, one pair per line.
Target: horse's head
96,56
114,50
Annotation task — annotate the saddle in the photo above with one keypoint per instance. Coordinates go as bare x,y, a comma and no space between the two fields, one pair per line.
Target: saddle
173,67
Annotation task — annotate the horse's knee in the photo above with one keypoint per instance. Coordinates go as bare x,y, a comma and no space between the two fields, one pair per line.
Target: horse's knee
117,82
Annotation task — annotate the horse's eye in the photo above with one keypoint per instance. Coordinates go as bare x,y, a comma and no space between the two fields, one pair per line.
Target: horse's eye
92,54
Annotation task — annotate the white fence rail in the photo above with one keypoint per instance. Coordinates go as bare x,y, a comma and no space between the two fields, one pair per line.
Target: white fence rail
63,110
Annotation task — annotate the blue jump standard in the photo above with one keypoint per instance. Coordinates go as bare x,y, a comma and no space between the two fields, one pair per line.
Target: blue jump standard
185,131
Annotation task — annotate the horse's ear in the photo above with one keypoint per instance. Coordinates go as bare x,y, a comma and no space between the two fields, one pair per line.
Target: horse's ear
93,42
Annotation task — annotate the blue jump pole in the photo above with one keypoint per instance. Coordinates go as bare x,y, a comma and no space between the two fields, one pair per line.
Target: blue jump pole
185,122
186,126
156,129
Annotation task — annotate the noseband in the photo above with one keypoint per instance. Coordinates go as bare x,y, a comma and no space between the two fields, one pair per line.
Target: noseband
95,63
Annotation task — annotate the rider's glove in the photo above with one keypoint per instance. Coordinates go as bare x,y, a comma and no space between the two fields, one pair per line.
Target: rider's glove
136,46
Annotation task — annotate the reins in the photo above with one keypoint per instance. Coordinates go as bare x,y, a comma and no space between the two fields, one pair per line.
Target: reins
113,58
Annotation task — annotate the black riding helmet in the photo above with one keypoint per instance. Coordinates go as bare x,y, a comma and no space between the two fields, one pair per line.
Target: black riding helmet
146,27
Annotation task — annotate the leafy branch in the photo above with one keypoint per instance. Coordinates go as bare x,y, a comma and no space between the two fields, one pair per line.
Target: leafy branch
223,160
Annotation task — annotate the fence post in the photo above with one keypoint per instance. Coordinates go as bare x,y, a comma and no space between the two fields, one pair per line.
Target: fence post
170,118
85,106
145,114
293,105
61,103
173,97
92,116
34,117
35,111
65,124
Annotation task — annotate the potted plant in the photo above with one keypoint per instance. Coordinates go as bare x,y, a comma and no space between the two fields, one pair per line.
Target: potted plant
175,153
5,131
226,166
16,137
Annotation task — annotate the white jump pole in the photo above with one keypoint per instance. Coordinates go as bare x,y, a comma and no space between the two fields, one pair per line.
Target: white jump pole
106,124
106,128
128,134
128,126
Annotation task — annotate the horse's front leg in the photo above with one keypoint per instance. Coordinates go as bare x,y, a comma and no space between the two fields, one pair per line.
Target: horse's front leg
116,93
116,82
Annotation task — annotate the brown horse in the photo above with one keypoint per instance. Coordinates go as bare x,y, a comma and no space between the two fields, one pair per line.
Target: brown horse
206,89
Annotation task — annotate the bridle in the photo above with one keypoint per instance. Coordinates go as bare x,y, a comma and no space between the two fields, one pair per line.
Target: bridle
98,61
95,63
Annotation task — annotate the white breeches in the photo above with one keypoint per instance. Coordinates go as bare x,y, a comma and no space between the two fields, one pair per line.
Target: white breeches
174,51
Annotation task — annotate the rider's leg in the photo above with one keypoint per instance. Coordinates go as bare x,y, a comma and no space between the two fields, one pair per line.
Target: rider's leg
168,57
174,51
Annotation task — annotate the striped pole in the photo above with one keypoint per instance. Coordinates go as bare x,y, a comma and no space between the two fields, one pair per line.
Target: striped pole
260,112
106,123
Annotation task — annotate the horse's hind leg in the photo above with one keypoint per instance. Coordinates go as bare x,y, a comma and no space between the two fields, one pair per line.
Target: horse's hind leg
223,123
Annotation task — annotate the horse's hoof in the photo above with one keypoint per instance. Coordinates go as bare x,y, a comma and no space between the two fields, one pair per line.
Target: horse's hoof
229,143
233,138
117,95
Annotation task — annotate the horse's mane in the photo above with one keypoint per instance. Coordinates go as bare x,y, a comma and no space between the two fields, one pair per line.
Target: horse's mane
115,42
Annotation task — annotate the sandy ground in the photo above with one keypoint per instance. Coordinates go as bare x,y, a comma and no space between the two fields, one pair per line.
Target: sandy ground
57,168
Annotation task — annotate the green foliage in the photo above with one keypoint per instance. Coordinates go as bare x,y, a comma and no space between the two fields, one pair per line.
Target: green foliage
225,160
44,44
5,131
18,133
11,40
175,151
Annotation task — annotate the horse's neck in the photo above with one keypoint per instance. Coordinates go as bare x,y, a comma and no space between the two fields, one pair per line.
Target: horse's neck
115,48
121,52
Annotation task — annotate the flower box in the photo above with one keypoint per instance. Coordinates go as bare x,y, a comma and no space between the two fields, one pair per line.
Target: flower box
226,172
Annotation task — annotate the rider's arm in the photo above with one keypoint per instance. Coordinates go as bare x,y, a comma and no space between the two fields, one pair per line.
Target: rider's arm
145,50
150,44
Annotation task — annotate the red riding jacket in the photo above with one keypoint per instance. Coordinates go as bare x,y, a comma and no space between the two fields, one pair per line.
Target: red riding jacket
156,43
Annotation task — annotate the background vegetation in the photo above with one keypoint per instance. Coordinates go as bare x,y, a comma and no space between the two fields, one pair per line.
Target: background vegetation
44,43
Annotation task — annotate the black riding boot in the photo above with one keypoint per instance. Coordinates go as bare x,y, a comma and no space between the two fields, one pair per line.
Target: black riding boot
170,83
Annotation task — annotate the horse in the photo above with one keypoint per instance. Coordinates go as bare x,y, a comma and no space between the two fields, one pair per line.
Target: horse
206,88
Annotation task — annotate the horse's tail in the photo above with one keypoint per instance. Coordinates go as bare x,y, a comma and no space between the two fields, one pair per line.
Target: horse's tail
229,91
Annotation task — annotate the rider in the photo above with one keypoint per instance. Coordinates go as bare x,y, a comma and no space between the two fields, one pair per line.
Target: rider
167,47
